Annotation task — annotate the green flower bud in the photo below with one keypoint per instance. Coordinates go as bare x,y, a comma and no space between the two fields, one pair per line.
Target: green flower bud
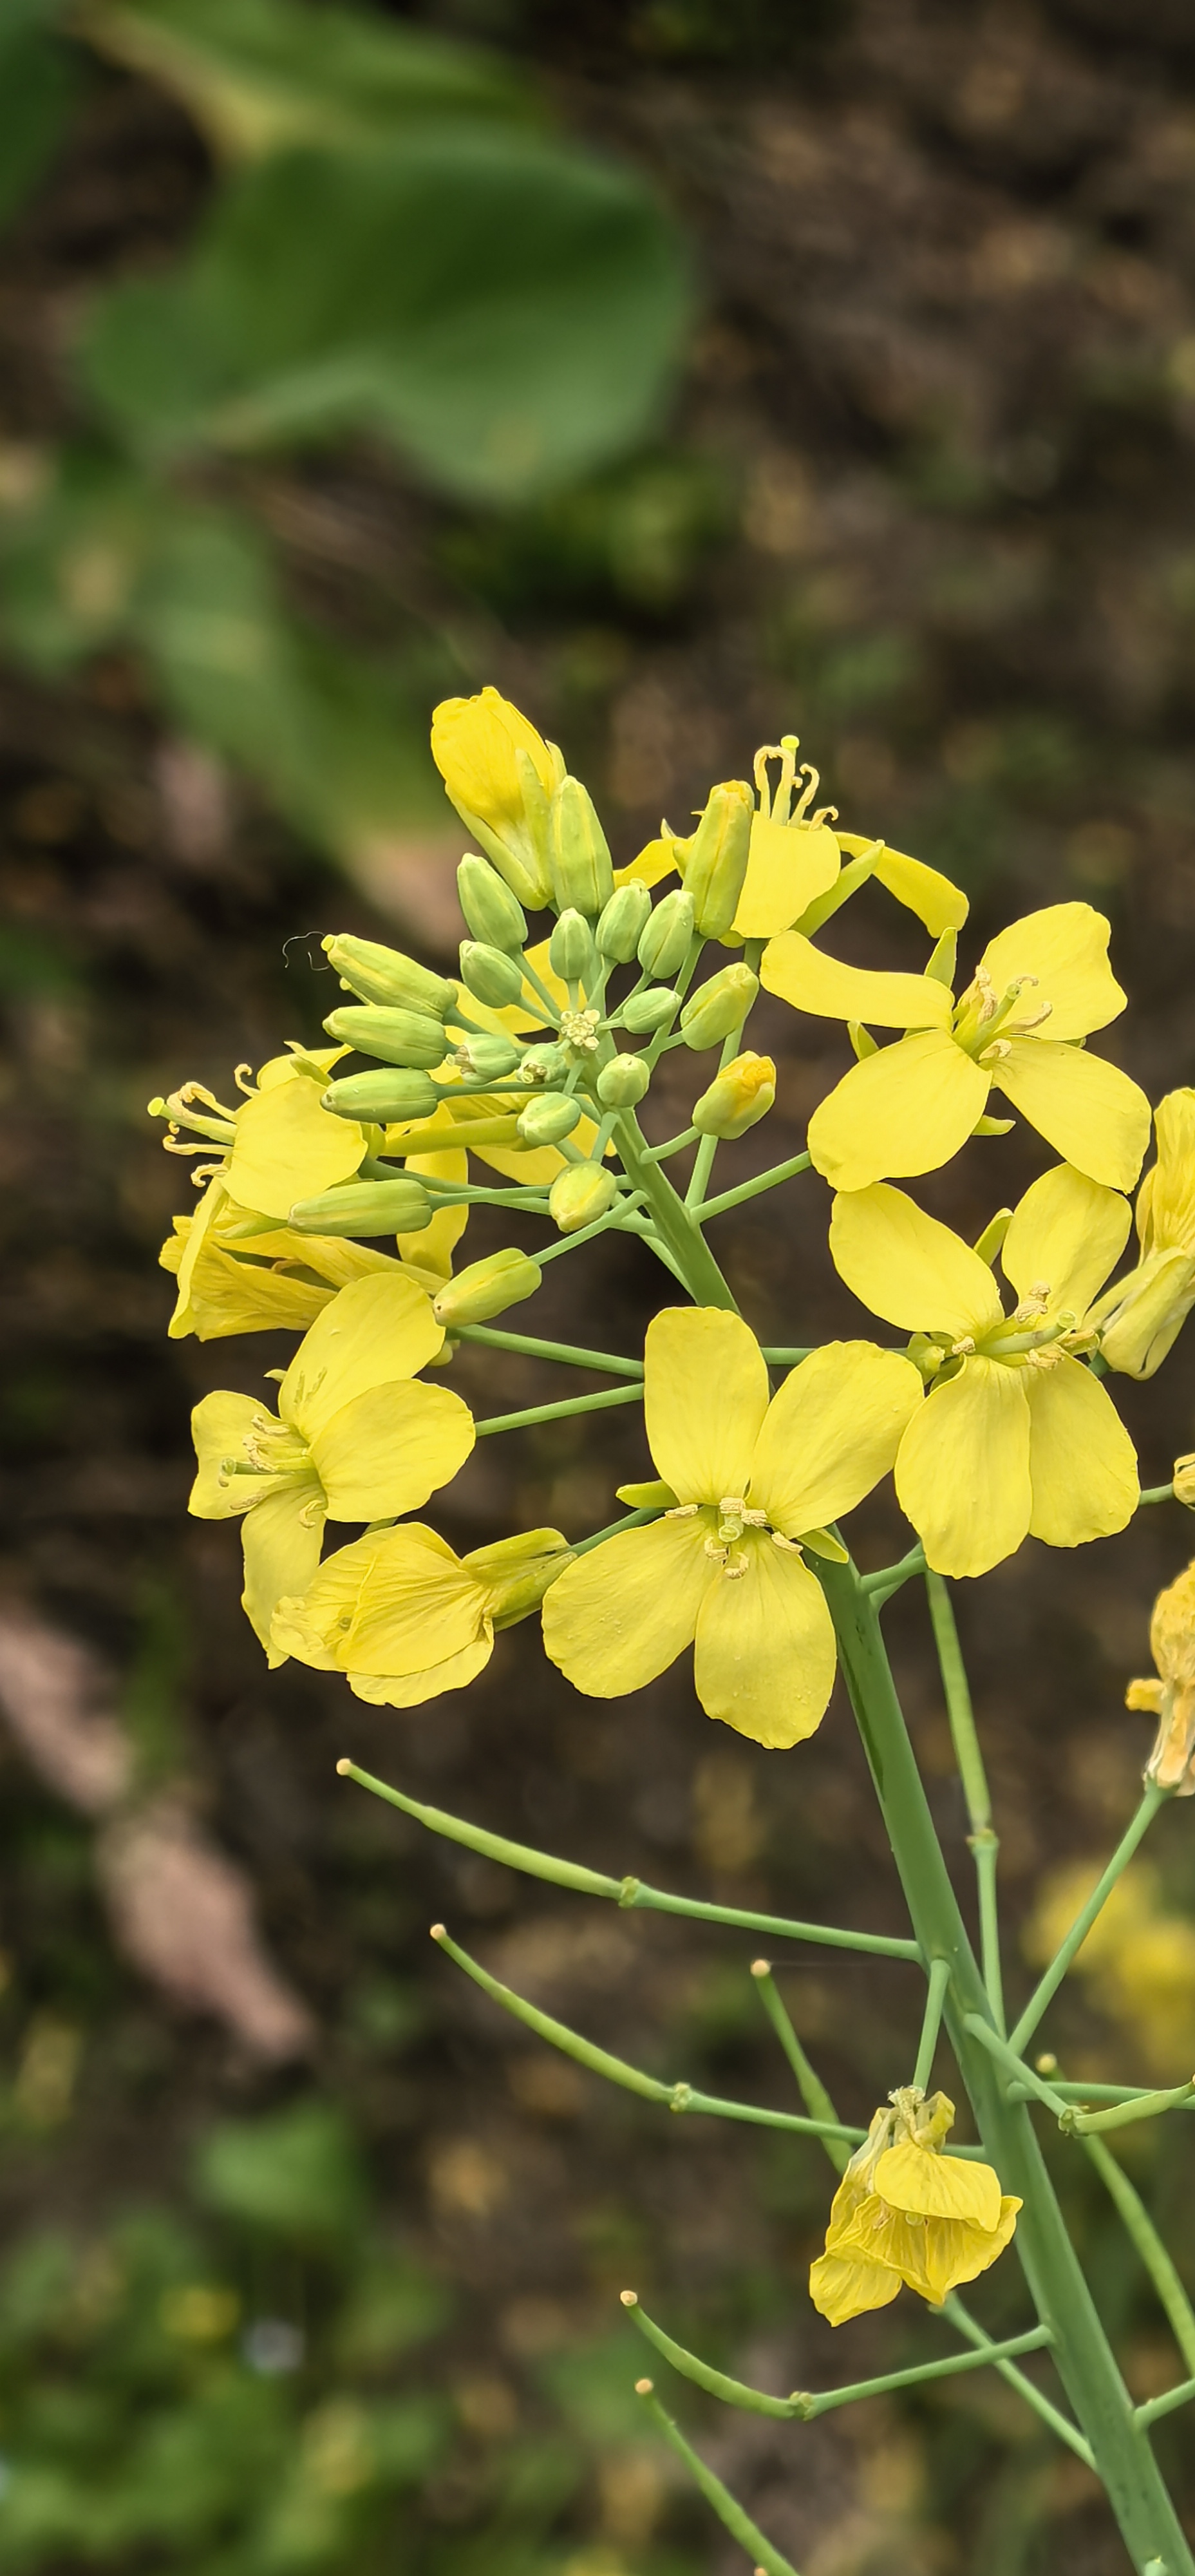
578,852
493,913
488,1058
650,1010
667,937
397,1037
549,1117
487,1288
622,923
384,975
518,1571
378,1097
571,952
490,975
739,1095
544,1064
718,1007
714,863
580,1194
365,1208
623,1081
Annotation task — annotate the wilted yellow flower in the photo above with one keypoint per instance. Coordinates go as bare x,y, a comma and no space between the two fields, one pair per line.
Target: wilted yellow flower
1171,1698
1016,1435
906,2212
353,1439
723,1569
1141,1316
1040,986
500,775
404,1618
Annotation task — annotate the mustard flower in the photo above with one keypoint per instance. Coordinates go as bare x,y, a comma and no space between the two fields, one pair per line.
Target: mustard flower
748,1480
500,774
404,1618
907,2213
1141,1317
1171,1697
1016,1436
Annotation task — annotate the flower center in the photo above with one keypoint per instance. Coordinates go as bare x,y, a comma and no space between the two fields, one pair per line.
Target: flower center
730,1520
579,1029
984,1019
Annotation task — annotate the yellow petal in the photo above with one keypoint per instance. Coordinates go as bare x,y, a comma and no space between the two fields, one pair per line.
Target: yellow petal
906,1109
705,1394
390,1448
622,1613
433,1248
830,1433
236,1296
396,1602
908,1267
1066,948
1067,1233
1082,1463
1086,1108
282,1537
962,1472
1171,1203
288,1148
388,1690
765,1657
474,741
654,863
788,865
948,2252
916,2180
221,1424
378,1329
803,975
936,902
841,2288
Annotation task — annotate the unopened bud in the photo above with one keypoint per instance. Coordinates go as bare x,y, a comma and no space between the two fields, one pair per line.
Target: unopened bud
379,1098
543,1064
739,1095
384,975
1184,1482
396,1036
571,952
517,1571
1140,1318
499,773
365,1208
493,913
718,1007
714,863
578,852
650,1010
623,1081
622,923
489,1057
551,1115
666,939
580,1194
490,975
486,1288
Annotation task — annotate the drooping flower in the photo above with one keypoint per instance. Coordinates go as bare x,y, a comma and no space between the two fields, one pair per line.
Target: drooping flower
905,2212
1140,1317
355,1438
723,1569
1016,1436
1171,1697
1041,985
404,1618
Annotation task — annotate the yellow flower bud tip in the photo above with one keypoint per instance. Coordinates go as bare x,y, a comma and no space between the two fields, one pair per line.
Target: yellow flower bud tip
740,1095
629,2298
438,1931
487,1288
761,1967
344,1766
644,2387
474,744
714,863
581,1194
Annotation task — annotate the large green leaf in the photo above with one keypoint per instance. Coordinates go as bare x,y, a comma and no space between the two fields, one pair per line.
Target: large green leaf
505,307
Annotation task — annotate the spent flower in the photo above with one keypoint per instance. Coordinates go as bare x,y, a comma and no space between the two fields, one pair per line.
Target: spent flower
1170,1697
906,2213
1140,1317
404,1618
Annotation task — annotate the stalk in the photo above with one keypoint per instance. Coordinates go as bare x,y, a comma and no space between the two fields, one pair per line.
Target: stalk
673,1221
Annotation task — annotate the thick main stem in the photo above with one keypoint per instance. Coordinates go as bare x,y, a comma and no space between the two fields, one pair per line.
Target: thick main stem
672,1220
1082,2353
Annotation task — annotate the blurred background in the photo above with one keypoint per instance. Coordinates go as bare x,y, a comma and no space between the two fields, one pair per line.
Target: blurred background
694,372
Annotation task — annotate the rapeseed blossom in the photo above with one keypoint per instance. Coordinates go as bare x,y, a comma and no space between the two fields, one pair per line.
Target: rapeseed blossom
404,1618
355,1438
747,1480
1141,1317
500,774
1016,1436
1171,1697
1041,986
907,2213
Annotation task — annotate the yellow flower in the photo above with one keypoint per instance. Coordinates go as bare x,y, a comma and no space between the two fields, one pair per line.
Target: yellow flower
281,1144
1041,985
500,775
353,1439
404,1617
905,2212
1171,1698
1016,1436
1142,1315
723,1569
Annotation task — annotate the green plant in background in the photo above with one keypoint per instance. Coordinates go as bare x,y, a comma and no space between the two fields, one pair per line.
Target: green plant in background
996,1424
399,248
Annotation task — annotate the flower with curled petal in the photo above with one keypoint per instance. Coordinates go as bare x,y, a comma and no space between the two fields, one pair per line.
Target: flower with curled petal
905,2212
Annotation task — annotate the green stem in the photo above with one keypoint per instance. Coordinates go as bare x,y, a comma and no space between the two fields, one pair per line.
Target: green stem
809,2083
1140,2227
768,2561
956,2315
567,1354
673,1221
619,1217
1006,2057
826,2400
1073,2091
786,1355
614,1529
1156,1494
805,2405
983,1841
939,1980
599,1403
675,1145
703,1159
1048,1984
751,1189
1155,2406
880,1587
1148,2106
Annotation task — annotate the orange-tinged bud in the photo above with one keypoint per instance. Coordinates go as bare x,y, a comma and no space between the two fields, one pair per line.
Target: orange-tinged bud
740,1094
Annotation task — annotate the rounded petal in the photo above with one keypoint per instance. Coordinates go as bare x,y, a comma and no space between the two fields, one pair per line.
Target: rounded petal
765,1655
1086,1108
841,2288
903,1110
705,1394
1171,1207
831,1432
389,1690
618,1616
908,1267
378,1329
1082,1463
949,2252
282,1538
220,1426
803,975
228,1295
962,1472
1067,1233
288,1148
390,1448
1066,948
398,1602
926,2185
788,866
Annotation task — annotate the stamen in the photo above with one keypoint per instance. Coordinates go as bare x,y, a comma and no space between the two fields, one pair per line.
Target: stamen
965,1349
683,1512
243,1078
809,791
996,1052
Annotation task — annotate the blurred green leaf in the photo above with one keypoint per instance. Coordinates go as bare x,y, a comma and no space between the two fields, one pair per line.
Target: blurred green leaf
262,74
295,2174
37,91
394,2306
505,308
